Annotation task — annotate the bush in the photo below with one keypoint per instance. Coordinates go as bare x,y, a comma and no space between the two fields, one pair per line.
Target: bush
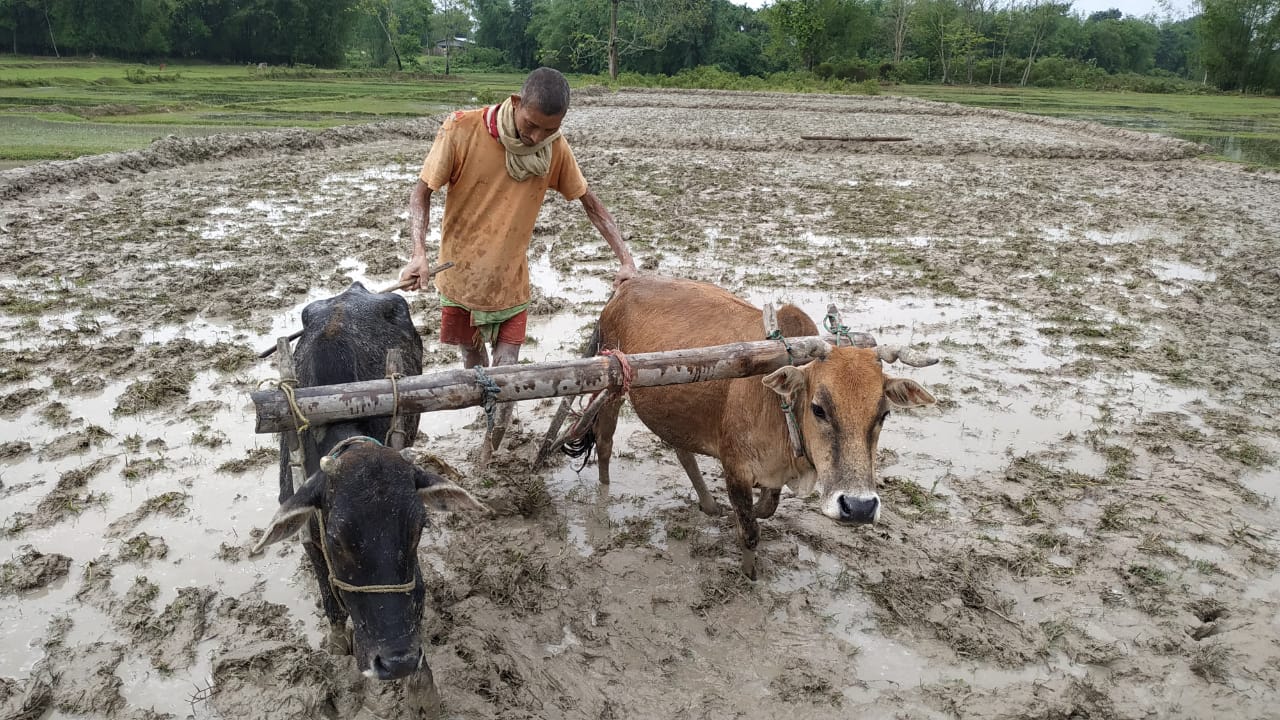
138,76
824,70
909,71
484,58
854,70
710,77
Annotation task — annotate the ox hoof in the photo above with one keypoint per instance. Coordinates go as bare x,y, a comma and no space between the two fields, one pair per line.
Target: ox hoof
749,564
337,640
713,509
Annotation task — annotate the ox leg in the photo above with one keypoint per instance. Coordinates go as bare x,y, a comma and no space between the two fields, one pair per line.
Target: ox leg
767,505
605,424
740,497
689,462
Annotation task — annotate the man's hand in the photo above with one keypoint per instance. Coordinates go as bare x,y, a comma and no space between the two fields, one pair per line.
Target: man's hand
418,271
625,273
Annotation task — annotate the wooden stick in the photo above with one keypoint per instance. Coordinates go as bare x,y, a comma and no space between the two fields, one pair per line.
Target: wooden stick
399,285
861,138
452,389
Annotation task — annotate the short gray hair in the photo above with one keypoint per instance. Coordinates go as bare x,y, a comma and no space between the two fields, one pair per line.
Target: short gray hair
547,91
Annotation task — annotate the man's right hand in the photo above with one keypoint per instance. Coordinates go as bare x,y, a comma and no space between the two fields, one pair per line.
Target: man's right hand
417,270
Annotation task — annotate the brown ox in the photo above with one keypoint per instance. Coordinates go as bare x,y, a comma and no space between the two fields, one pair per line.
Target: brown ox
840,402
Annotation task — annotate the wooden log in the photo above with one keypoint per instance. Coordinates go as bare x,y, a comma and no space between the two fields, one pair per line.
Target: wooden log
856,138
453,389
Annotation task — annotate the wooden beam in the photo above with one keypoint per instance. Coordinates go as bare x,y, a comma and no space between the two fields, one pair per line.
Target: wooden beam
453,389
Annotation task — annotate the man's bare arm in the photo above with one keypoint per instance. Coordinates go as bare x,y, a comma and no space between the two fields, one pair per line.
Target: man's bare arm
608,228
419,217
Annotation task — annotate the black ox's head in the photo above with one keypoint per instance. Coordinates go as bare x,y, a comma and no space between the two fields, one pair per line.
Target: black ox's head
371,504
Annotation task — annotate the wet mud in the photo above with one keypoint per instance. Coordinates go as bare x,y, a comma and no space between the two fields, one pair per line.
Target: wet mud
1084,526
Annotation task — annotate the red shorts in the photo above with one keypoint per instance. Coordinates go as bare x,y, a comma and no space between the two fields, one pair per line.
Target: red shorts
456,328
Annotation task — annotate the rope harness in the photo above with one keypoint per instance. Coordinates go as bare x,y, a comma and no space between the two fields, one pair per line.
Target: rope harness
287,386
793,423
394,377
324,546
831,323
624,366
490,390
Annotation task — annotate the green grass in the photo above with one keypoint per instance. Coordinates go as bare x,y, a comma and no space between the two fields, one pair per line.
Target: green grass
1240,128
65,108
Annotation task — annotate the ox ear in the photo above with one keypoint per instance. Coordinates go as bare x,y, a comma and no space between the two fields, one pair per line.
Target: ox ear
293,513
787,381
440,494
906,393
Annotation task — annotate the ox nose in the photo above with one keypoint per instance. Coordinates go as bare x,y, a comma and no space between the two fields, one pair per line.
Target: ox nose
858,509
394,667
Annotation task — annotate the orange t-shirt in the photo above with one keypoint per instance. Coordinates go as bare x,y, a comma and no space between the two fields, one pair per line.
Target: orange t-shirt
488,217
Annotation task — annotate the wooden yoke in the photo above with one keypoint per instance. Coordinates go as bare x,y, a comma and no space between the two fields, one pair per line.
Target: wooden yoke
453,389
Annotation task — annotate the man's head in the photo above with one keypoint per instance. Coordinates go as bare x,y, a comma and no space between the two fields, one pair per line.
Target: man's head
541,105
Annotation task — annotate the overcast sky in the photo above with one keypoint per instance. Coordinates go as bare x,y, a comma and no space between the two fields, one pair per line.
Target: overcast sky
1136,8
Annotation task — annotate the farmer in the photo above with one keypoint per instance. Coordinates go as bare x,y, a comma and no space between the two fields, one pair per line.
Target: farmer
498,162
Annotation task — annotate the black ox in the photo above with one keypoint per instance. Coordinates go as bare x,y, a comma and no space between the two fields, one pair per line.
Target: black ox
362,504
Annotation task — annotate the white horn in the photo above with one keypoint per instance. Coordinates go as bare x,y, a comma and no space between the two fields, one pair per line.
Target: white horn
330,465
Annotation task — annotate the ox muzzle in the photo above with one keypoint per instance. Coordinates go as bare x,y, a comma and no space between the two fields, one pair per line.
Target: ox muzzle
850,509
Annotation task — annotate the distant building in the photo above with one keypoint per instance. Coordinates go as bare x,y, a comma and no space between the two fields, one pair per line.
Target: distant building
454,45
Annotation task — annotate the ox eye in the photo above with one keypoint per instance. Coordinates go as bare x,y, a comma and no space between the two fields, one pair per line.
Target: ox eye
818,412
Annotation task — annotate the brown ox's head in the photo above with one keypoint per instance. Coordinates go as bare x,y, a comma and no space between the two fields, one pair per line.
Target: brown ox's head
841,404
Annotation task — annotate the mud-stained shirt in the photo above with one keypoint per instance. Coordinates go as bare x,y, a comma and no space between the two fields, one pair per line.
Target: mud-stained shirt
488,217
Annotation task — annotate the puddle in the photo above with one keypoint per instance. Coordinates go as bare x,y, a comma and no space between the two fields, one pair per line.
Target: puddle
883,663
371,178
1264,482
553,283
1124,236
221,508
640,485
1173,270
143,686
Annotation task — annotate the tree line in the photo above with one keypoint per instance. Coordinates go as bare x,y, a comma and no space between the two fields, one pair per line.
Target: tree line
1229,44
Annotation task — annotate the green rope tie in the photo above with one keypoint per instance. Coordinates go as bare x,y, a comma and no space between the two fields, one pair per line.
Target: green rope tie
777,335
490,390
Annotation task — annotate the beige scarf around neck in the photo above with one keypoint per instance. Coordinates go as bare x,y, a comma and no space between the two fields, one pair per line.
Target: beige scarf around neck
523,161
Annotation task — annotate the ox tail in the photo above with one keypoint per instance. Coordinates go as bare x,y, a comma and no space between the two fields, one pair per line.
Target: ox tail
581,444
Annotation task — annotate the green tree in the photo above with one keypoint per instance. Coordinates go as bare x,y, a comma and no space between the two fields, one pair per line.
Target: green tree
504,24
450,21
1239,41
797,32
1178,48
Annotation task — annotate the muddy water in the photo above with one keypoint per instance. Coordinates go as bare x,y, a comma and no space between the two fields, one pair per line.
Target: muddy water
1083,526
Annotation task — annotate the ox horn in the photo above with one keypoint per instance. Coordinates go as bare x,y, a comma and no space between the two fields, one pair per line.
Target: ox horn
905,355
330,465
